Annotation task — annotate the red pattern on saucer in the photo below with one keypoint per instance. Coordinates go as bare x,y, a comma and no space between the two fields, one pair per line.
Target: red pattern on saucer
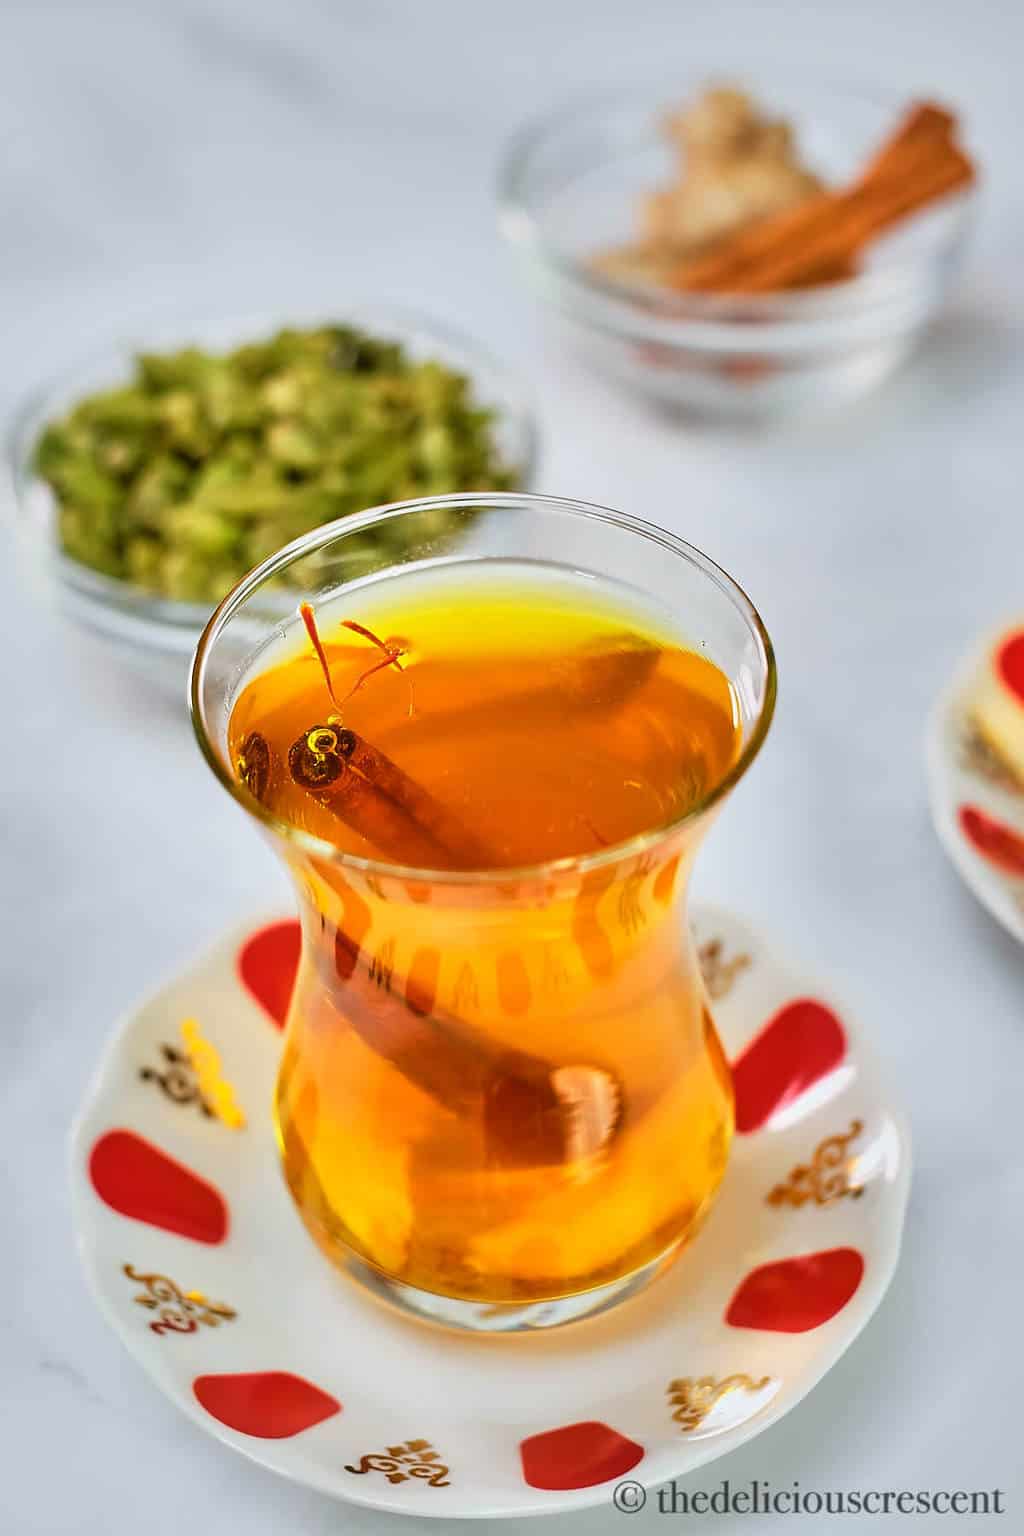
269,1405
798,1294
802,1043
577,1456
974,794
267,965
1010,663
994,840
136,1179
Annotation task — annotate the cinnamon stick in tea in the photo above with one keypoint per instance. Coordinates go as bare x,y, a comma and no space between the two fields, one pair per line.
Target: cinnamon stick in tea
531,1112
360,805
379,800
256,766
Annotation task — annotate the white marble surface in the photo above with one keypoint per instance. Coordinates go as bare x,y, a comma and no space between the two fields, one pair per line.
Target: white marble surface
175,152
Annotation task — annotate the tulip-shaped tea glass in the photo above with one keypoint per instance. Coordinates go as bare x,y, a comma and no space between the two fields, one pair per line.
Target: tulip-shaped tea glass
502,1103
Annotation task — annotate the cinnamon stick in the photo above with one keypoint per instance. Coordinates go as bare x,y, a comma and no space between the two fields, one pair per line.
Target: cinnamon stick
716,271
918,164
860,218
925,123
442,825
361,806
531,1113
378,799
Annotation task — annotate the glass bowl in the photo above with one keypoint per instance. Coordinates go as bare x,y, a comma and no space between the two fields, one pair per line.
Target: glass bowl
571,185
158,633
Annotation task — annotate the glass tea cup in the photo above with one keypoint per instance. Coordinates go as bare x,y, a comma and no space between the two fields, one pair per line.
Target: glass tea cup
502,1103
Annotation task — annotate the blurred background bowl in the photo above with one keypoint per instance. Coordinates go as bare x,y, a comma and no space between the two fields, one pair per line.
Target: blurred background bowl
156,633
572,185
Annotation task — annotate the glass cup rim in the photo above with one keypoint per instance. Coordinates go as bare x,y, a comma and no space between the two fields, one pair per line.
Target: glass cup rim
571,864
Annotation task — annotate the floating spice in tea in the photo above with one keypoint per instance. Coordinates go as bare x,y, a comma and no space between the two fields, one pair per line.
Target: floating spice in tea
254,765
393,650
317,759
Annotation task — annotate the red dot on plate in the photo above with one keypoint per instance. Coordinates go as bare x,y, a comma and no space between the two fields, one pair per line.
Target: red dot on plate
136,1179
267,964
1010,663
270,1405
802,1043
577,1456
993,839
794,1295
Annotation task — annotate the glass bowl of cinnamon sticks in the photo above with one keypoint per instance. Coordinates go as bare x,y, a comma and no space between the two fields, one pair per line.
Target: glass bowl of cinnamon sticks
743,251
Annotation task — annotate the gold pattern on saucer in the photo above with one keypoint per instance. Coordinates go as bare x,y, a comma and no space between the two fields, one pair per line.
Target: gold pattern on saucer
825,1178
176,1079
978,756
217,1092
719,973
693,1397
180,1311
416,1458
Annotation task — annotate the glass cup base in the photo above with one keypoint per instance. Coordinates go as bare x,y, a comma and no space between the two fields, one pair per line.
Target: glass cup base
504,1317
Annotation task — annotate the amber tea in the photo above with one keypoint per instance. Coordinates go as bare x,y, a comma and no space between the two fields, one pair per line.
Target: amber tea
500,1079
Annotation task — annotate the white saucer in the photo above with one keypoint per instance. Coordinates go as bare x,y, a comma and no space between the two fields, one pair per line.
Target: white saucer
282,1358
969,790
